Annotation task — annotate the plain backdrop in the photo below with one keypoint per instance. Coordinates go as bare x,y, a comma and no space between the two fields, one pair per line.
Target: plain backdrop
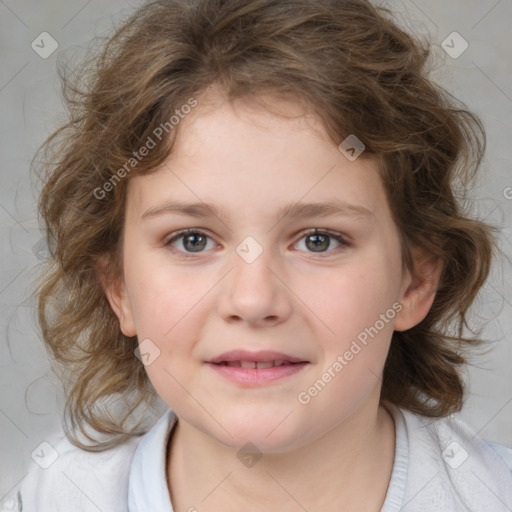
31,401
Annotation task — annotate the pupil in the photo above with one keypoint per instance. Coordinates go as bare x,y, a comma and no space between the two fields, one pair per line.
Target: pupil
196,245
319,241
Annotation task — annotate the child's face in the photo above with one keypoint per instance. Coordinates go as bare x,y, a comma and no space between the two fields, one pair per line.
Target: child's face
309,298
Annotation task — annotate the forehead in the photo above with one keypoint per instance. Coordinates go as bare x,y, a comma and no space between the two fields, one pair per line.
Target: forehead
244,156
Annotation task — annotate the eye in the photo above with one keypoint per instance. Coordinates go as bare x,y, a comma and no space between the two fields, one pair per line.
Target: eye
318,241
188,241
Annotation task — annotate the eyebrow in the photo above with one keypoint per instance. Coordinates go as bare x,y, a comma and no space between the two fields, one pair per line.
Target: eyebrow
333,208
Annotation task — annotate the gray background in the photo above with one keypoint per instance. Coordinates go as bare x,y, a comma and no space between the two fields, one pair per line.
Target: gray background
31,400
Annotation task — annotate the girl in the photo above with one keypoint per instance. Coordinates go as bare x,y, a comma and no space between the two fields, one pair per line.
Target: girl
252,216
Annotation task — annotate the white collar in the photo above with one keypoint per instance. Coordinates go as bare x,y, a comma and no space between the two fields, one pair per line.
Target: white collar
147,485
148,490
419,478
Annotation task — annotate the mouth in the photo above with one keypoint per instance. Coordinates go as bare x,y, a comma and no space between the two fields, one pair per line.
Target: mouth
259,359
250,369
255,364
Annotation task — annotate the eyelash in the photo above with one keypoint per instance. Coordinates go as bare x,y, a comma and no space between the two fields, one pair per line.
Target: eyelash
180,234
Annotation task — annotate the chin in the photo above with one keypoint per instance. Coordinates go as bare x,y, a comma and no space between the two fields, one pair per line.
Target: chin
268,433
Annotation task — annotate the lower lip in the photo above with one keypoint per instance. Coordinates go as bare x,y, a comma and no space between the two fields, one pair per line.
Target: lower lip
257,376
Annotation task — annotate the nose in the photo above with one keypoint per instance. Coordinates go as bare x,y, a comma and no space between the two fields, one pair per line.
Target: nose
255,293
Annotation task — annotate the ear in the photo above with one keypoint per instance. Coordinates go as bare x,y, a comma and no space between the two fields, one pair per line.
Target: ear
115,290
419,289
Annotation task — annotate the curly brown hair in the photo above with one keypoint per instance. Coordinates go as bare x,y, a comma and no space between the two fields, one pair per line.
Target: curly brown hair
361,74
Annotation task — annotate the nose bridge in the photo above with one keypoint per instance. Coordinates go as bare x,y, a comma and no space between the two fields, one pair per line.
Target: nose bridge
253,265
253,292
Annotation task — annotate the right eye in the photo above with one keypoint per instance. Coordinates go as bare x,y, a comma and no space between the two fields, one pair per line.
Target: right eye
191,241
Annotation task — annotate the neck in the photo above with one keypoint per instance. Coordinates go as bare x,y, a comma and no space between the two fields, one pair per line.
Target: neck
349,467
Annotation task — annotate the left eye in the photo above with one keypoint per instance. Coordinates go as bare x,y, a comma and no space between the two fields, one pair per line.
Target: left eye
319,241
194,241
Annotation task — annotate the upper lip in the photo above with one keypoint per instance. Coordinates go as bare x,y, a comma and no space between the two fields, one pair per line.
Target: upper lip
257,357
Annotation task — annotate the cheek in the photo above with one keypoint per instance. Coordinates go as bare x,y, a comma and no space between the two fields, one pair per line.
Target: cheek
160,295
171,322
358,307
354,298
169,306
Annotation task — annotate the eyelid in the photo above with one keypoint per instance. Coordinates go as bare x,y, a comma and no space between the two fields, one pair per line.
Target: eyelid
322,231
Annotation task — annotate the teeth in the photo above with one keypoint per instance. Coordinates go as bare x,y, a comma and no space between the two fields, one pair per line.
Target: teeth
253,364
268,364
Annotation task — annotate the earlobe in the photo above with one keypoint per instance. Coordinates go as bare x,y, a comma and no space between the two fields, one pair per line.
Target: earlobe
117,296
419,289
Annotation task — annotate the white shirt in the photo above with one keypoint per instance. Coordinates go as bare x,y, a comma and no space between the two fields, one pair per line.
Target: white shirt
439,465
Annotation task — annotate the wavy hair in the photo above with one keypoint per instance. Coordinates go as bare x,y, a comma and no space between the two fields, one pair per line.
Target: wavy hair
359,72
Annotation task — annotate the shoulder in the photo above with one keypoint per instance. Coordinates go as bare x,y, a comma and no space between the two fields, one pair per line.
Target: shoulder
503,452
63,477
459,442
449,461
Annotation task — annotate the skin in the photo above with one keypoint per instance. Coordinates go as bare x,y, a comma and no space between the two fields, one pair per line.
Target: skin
335,452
